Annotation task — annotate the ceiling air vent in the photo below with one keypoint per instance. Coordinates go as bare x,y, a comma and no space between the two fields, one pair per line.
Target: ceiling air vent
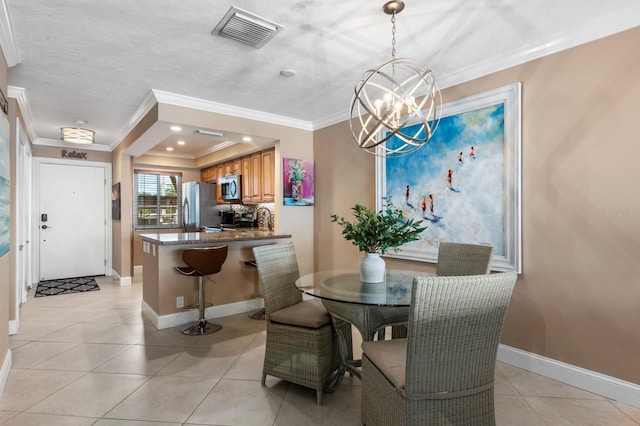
246,27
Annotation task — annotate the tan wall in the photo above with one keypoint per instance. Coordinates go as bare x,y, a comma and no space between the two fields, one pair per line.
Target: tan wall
5,265
576,300
122,171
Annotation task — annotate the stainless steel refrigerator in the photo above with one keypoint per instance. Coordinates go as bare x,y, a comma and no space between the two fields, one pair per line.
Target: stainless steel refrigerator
199,206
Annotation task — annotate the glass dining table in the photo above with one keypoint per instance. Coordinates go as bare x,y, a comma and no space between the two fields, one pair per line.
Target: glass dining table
369,307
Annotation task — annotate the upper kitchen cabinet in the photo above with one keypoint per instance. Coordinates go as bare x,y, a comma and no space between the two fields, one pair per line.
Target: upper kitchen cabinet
257,172
268,171
257,177
209,174
233,167
220,174
252,178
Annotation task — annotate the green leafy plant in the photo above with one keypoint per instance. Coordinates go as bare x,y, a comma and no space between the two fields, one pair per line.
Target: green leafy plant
297,173
378,232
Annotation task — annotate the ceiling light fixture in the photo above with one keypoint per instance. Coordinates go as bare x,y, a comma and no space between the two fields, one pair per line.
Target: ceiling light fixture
246,138
180,142
209,133
176,128
391,97
78,134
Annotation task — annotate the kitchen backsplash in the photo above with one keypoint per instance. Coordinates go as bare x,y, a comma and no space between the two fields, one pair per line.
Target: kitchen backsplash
257,211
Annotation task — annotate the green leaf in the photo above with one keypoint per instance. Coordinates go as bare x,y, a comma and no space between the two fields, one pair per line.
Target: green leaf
378,232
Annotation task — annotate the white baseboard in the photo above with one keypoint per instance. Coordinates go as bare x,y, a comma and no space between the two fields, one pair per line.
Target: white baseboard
123,280
5,370
181,318
14,325
591,381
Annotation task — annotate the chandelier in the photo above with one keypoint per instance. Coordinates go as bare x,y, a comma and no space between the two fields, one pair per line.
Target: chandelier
395,107
78,134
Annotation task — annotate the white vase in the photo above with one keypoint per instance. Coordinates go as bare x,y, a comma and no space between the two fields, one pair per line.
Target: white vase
372,268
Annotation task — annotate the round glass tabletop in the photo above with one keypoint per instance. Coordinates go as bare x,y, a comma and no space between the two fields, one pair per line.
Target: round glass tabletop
345,286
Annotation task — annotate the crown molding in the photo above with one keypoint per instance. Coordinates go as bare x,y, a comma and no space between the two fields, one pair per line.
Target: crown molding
620,21
7,41
149,102
586,33
20,95
217,147
218,108
58,144
170,154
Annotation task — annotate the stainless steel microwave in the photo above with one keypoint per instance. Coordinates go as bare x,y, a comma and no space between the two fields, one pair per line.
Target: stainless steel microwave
231,188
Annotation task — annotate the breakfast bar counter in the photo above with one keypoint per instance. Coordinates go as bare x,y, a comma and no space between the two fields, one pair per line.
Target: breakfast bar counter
189,238
233,290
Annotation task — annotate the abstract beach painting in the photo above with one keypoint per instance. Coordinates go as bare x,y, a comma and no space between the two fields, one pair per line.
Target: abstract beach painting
461,182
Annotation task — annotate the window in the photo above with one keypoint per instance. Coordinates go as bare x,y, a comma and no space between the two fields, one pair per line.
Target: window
156,197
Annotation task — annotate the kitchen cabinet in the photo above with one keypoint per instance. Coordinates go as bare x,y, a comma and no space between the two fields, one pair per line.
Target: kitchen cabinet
233,167
209,174
268,179
220,172
257,170
252,178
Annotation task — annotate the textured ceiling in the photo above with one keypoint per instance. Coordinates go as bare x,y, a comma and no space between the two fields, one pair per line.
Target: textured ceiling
98,60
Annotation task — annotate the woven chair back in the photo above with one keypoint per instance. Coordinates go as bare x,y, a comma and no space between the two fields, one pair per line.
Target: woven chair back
463,259
205,261
454,331
278,272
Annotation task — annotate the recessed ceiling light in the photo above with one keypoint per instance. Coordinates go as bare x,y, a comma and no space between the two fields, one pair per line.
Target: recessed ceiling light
288,73
176,128
180,142
169,148
246,138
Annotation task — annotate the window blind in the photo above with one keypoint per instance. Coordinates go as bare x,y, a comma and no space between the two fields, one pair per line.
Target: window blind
156,199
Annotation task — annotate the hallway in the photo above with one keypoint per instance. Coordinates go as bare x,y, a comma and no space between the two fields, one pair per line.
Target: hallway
91,359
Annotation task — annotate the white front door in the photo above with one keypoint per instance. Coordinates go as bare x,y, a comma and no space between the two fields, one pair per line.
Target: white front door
72,220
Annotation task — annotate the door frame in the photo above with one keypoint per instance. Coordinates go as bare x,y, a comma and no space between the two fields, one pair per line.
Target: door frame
108,229
23,258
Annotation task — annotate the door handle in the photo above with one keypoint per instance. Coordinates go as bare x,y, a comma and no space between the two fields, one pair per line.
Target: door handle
46,227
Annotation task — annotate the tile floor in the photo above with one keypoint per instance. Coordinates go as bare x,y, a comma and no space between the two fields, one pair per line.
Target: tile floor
91,359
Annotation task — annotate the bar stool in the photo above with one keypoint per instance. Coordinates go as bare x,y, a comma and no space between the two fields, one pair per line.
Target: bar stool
258,314
202,262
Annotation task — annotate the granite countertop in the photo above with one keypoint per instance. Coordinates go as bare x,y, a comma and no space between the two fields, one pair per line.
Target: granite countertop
242,234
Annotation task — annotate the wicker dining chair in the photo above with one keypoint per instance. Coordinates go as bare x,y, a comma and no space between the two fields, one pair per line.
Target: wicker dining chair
443,372
463,259
456,259
300,345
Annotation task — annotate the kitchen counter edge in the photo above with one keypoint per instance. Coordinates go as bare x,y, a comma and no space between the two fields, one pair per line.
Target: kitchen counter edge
181,238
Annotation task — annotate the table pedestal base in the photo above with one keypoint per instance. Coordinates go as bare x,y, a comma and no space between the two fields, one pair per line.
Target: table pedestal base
368,319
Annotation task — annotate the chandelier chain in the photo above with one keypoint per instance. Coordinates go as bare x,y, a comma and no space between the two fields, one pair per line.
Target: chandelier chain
393,36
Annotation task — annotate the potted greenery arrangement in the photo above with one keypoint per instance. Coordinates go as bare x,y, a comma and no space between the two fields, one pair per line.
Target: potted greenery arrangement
297,174
375,233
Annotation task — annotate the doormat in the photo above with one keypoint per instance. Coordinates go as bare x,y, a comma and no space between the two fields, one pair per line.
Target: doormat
66,286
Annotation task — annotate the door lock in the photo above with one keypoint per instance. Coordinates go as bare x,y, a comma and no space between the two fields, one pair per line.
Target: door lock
46,227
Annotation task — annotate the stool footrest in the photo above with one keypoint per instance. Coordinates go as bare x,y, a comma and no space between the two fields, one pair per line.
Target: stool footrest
197,306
